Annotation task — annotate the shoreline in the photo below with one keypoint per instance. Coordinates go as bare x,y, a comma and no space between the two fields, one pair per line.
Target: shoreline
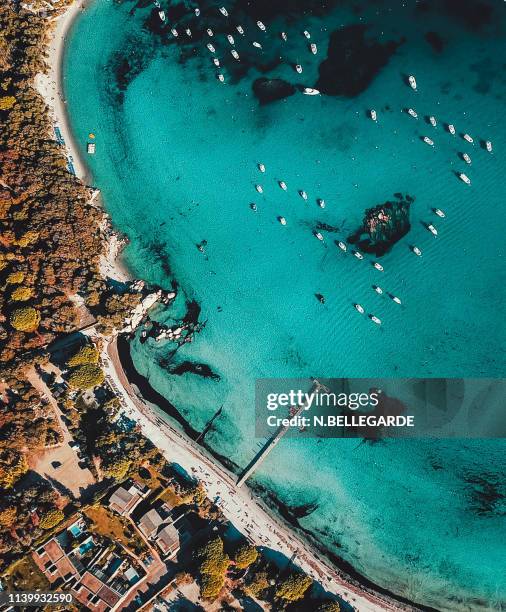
245,510
241,506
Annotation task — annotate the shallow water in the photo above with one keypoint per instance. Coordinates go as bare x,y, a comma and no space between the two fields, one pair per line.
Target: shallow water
176,160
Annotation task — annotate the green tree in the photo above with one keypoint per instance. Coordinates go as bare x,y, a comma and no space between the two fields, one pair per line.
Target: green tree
245,556
294,587
8,516
212,585
7,102
257,583
86,354
117,469
51,518
15,278
329,606
25,319
213,559
21,294
86,376
13,465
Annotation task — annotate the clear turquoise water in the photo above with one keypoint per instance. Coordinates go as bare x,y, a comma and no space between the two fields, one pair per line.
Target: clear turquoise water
176,162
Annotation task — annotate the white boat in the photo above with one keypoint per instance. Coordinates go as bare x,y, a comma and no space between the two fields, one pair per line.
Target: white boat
234,53
161,14
283,186
282,220
375,319
303,194
413,113
432,229
223,11
439,213
253,206
284,36
216,61
396,299
342,246
210,47
210,32
468,138
240,29
221,78
261,167
428,140
230,39
358,255
257,44
417,251
259,188
174,33
488,146
320,202
314,48
261,26
412,82
378,266
377,289
432,121
373,114
451,129
318,235
466,158
310,91
298,68
188,32
464,178
307,34
197,11
360,308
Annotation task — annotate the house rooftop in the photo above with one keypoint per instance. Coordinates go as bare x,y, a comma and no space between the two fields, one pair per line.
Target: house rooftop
150,522
168,540
124,499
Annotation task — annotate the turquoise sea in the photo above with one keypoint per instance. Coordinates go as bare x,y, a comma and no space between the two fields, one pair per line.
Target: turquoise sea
176,160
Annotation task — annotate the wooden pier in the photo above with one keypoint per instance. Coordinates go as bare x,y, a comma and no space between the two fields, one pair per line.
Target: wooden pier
275,438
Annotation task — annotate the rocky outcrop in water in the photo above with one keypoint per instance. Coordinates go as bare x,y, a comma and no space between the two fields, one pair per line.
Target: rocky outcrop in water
383,226
352,61
270,90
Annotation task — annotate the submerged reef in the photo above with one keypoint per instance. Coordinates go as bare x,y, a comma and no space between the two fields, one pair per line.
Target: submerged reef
352,61
270,90
383,226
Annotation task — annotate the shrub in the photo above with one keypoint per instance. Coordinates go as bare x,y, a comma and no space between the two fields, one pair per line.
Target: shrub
25,319
294,587
86,354
245,556
51,518
21,294
86,376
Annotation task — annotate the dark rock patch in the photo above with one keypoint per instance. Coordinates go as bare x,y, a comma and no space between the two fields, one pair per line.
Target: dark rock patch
271,90
200,369
435,41
353,61
383,226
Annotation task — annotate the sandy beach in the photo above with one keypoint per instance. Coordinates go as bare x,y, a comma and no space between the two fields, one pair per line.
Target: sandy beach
245,510
50,86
